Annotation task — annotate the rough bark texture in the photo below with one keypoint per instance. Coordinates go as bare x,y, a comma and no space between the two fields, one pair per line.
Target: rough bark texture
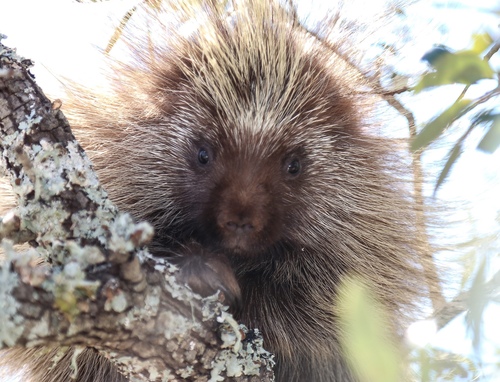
102,290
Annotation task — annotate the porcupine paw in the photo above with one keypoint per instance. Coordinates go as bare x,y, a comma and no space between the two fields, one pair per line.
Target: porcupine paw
206,273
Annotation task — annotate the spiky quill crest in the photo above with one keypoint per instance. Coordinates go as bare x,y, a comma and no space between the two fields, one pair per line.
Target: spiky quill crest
252,87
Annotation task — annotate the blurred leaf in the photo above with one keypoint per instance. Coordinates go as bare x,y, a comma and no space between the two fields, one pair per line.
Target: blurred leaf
491,140
367,340
480,42
454,155
464,67
435,127
486,116
439,365
434,54
468,261
477,302
469,248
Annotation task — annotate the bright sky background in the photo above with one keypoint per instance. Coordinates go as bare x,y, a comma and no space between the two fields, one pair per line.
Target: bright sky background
61,37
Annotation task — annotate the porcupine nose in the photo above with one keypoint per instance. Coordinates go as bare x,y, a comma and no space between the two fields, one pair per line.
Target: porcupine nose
239,226
242,216
237,221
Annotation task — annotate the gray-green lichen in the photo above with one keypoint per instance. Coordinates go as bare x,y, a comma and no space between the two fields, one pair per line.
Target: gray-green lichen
10,328
126,236
173,325
87,224
238,357
246,361
118,303
81,171
40,329
137,365
68,285
88,255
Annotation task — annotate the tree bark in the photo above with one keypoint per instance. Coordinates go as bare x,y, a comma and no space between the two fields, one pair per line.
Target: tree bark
103,289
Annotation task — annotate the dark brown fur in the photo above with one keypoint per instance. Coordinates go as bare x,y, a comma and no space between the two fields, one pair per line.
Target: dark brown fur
295,194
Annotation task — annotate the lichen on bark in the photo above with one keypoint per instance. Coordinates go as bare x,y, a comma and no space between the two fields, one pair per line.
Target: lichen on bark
102,288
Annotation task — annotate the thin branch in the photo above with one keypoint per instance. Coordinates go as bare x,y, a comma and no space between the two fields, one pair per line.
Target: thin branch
459,304
486,57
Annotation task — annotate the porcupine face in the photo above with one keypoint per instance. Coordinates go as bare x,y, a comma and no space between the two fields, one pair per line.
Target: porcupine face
257,152
243,195
246,134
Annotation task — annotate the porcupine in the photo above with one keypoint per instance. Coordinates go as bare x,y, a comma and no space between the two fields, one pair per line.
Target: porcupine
245,140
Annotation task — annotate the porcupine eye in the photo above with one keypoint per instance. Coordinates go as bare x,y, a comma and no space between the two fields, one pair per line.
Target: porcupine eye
293,167
203,156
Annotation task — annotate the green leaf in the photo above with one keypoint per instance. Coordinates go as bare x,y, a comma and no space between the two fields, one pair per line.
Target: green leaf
491,140
452,158
480,42
435,127
435,54
366,340
464,67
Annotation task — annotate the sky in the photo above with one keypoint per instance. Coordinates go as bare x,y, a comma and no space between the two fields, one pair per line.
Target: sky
64,37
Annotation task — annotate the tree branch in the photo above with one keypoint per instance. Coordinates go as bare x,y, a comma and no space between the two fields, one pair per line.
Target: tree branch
103,289
460,303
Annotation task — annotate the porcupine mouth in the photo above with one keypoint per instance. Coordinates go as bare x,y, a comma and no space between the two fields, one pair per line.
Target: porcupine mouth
235,244
243,245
